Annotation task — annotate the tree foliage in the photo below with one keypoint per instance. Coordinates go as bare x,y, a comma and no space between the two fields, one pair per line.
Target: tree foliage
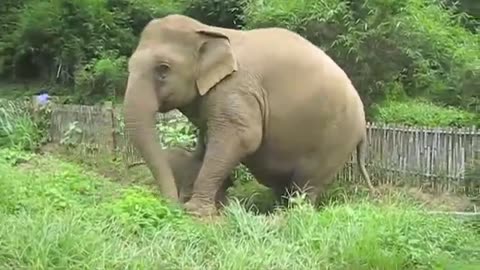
415,46
390,49
56,40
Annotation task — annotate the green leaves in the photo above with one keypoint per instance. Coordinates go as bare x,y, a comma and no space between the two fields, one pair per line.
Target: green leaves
223,13
140,210
102,77
177,132
423,113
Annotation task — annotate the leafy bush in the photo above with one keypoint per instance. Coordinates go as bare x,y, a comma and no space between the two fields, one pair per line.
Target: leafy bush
423,113
322,22
177,132
103,77
58,39
441,68
135,14
223,13
9,10
138,209
420,41
57,35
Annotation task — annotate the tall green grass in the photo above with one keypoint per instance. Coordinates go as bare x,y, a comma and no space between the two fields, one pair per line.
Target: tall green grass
57,215
17,128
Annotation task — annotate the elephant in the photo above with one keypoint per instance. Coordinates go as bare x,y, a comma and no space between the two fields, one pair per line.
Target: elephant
185,166
251,93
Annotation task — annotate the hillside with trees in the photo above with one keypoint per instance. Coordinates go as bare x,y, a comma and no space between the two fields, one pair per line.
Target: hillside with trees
413,61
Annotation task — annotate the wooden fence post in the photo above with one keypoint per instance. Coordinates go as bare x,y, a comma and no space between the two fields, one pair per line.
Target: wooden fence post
110,108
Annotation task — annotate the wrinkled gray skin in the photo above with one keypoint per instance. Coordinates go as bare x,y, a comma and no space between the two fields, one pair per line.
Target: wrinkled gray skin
185,166
266,98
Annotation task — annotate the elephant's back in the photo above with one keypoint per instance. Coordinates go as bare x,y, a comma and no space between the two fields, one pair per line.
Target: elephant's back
298,77
285,61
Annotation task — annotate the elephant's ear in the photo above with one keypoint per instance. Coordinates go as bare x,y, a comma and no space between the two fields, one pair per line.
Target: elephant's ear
216,60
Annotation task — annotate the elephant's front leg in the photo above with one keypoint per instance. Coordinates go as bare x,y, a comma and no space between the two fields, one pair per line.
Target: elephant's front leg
226,147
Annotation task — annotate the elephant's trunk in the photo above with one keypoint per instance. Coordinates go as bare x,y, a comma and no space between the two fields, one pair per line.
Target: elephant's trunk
140,108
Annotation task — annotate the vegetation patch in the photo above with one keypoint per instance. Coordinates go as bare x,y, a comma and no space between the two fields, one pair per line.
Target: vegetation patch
65,216
424,113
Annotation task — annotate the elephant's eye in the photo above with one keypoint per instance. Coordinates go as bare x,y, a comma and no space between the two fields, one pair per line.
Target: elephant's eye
161,71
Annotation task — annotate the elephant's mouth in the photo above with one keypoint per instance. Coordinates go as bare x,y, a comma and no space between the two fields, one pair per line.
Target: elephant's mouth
165,109
165,104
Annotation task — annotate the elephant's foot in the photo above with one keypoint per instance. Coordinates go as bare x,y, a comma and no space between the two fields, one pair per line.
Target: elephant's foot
200,208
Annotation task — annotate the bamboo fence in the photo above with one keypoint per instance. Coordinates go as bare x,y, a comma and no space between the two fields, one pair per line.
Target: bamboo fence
438,158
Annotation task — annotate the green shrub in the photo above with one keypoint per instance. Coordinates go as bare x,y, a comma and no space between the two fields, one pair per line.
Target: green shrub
139,209
442,69
135,14
223,13
420,41
100,78
9,10
57,35
322,22
177,132
54,38
423,113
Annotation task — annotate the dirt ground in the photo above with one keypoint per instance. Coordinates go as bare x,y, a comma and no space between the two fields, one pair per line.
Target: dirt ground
440,201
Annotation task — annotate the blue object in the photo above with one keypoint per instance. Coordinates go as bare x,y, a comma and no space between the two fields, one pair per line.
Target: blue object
42,99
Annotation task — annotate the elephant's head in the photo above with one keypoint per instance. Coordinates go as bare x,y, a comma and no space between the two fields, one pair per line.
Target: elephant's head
177,60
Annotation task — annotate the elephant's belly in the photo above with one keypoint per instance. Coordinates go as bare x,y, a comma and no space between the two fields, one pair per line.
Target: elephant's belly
271,169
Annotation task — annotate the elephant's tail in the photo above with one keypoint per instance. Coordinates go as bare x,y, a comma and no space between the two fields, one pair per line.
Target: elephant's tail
361,151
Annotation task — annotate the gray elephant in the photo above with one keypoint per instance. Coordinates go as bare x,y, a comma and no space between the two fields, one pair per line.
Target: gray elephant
266,98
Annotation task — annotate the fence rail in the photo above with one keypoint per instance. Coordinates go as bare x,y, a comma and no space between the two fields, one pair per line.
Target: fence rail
440,158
